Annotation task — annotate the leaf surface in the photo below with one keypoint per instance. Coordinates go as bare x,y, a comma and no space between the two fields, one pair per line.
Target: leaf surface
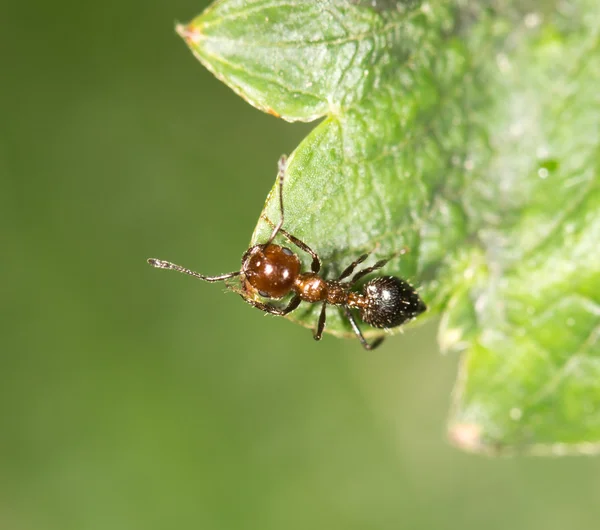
469,137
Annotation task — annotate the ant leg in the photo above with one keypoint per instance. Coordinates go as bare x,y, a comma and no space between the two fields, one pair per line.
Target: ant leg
359,334
268,308
321,324
350,268
160,264
316,261
378,265
282,164
368,270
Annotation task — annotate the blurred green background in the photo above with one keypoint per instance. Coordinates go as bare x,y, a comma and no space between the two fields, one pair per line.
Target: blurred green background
134,398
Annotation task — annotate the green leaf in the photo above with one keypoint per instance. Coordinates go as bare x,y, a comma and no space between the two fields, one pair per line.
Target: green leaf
468,135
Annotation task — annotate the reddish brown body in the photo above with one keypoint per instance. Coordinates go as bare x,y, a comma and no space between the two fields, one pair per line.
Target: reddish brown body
273,271
312,288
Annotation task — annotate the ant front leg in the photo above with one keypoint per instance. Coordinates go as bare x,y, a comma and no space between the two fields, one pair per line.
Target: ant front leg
316,261
281,167
359,334
271,309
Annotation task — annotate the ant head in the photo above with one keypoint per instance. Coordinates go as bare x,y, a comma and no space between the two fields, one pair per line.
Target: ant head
270,269
390,302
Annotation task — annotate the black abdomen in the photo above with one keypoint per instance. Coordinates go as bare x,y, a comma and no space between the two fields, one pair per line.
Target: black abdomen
390,302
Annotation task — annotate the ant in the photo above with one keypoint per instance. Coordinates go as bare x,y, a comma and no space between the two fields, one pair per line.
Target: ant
273,271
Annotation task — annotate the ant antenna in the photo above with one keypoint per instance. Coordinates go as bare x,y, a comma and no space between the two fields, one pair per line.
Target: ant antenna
281,165
160,264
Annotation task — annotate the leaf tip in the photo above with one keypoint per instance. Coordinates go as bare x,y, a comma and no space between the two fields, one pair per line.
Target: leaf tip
466,436
189,33
272,112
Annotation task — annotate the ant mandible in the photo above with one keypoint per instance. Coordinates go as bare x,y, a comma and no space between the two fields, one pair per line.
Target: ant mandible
273,271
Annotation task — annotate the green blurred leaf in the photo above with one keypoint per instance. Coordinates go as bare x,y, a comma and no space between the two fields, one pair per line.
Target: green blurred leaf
470,135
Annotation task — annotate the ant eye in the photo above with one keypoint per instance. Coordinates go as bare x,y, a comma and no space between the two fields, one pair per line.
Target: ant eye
263,294
287,251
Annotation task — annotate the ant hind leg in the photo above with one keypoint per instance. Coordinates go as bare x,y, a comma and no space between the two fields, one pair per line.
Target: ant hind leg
350,268
359,334
369,270
373,268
